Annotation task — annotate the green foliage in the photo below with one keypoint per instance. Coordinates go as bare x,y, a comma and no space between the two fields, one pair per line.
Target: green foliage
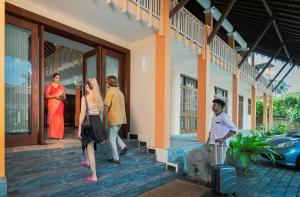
281,128
285,107
246,148
259,109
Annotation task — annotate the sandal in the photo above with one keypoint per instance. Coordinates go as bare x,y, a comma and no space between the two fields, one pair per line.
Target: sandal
84,163
91,179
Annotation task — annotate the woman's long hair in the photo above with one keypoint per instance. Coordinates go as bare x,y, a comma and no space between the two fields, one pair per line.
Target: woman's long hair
95,93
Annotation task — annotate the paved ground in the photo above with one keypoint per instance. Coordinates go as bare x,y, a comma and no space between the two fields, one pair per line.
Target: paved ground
265,180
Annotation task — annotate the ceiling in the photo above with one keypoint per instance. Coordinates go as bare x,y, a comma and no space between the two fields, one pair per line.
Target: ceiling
249,18
98,15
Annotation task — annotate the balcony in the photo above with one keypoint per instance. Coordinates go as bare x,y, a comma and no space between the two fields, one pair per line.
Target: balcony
188,27
226,57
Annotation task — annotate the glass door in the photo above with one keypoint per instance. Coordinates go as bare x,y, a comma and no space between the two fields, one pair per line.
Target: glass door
21,82
92,65
113,64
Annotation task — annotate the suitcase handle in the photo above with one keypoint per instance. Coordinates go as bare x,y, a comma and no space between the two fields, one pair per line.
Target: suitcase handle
216,153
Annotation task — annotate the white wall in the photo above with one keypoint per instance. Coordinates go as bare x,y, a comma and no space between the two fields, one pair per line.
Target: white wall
95,17
245,91
183,62
142,89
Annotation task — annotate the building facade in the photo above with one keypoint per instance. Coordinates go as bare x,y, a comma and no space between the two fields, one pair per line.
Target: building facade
166,68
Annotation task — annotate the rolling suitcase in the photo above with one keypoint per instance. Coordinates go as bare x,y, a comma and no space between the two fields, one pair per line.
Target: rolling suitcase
224,180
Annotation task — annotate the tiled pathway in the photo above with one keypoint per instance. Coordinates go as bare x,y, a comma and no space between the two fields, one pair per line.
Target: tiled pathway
265,180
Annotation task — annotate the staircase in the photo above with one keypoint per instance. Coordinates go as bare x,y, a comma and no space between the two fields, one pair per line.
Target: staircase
58,172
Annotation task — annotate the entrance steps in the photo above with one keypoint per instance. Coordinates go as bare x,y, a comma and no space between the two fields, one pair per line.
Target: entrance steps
58,172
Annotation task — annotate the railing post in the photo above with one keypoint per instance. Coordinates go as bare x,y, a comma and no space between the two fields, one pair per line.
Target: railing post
150,19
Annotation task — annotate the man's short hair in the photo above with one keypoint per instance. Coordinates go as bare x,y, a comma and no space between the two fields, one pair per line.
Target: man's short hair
220,102
112,81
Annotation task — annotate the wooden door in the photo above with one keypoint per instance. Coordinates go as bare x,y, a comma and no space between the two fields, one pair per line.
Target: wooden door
21,82
113,64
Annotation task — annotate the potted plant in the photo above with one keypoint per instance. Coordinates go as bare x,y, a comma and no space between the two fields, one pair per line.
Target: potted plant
245,149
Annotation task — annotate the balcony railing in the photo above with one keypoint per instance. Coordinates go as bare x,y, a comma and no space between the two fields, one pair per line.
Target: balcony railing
188,25
223,51
246,69
149,5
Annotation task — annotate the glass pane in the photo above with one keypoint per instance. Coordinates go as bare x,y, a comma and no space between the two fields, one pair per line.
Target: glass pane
18,71
112,66
91,67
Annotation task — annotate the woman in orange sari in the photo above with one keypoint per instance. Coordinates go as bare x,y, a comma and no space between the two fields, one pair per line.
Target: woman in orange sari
55,93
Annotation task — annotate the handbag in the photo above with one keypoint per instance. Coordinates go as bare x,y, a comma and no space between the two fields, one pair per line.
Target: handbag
86,123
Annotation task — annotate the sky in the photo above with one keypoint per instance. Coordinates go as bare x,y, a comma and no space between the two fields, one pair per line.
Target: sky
293,79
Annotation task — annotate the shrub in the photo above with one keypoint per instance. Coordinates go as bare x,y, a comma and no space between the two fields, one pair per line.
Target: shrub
245,149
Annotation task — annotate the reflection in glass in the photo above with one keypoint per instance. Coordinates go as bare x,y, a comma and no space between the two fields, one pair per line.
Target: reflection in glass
91,67
18,71
112,66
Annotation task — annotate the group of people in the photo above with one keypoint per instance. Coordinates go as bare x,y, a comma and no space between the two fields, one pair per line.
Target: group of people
93,107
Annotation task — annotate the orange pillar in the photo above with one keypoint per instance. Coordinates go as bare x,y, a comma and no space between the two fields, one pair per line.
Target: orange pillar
265,111
77,105
203,89
235,79
3,182
271,112
162,76
209,20
231,41
253,108
2,104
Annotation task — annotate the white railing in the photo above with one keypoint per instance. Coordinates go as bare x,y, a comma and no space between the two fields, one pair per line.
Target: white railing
223,51
188,25
262,80
247,69
149,5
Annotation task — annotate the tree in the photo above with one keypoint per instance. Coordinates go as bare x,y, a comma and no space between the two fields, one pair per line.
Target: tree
282,88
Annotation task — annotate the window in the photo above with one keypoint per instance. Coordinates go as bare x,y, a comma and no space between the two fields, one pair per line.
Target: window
241,112
223,95
188,105
249,106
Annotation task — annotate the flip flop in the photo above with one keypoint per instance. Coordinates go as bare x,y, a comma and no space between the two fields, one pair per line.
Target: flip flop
84,163
91,179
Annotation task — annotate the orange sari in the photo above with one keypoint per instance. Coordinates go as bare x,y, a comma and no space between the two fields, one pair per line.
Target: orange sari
55,112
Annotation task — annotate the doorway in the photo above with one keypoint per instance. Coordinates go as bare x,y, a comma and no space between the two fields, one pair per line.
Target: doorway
26,74
65,57
21,82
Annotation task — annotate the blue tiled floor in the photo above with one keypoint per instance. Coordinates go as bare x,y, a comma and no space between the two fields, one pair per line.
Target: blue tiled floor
58,172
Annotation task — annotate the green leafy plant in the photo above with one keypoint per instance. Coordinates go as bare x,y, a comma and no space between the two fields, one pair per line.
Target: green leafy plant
281,128
245,149
261,134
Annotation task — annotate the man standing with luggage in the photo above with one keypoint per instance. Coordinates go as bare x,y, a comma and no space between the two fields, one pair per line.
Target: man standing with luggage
200,163
115,104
